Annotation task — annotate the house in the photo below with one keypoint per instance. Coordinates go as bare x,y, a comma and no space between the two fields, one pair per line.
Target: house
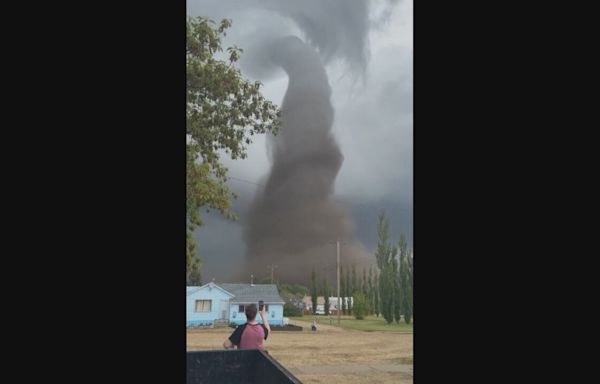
308,305
206,304
226,303
321,304
333,303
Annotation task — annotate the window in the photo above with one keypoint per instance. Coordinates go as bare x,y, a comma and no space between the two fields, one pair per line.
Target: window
242,308
203,305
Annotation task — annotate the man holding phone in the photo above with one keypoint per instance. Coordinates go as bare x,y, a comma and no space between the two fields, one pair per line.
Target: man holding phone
251,334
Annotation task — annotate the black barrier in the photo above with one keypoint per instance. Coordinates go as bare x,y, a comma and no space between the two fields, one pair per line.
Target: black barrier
245,366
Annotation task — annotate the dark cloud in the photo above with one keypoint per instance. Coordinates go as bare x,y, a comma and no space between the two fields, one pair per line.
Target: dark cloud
372,133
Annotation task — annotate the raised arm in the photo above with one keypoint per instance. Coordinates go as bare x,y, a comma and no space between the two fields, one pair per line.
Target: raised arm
263,314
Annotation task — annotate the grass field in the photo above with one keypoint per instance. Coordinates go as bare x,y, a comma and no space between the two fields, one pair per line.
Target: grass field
335,352
370,323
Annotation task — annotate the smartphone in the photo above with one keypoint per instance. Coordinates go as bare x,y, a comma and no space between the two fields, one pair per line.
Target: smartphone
261,304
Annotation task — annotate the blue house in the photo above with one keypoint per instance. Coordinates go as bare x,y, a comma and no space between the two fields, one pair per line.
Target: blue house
206,304
226,303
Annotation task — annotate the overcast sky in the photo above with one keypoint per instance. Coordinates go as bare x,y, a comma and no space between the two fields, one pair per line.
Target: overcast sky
373,125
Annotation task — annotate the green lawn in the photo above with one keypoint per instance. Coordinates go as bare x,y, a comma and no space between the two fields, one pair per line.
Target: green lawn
370,323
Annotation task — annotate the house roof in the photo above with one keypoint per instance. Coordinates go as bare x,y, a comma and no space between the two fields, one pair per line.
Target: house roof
211,285
247,293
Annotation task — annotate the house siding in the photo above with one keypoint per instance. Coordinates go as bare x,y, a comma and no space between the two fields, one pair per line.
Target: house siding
212,293
218,295
274,315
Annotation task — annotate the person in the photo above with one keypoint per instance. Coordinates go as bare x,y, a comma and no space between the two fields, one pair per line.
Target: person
252,334
314,325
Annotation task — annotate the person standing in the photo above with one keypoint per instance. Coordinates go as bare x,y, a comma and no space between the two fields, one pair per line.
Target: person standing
252,334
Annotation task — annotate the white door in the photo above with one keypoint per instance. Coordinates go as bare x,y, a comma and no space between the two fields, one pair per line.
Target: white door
224,309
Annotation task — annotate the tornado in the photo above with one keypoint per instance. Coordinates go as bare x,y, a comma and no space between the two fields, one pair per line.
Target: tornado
295,222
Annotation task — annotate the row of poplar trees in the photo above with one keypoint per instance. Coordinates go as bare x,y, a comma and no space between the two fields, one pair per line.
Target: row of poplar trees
387,288
395,280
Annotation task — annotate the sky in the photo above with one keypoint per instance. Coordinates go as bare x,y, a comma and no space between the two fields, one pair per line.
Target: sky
372,97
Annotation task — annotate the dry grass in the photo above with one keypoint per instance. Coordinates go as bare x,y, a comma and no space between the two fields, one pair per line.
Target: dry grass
327,347
358,378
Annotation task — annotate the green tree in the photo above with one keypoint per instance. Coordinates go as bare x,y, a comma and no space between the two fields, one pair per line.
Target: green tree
360,306
348,293
343,293
396,287
383,244
355,282
293,295
384,256
194,262
289,309
223,112
411,284
326,295
387,291
293,289
376,303
405,279
371,293
365,290
194,278
313,291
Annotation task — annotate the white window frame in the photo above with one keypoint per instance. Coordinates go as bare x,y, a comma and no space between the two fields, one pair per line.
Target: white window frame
203,300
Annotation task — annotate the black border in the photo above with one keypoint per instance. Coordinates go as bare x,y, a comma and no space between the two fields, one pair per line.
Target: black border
101,192
95,189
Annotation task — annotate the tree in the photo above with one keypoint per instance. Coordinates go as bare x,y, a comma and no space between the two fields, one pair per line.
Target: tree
383,245
313,291
355,283
348,293
365,290
396,287
411,284
194,262
326,296
384,256
344,304
376,303
223,112
371,293
387,291
405,279
289,309
293,295
296,290
194,278
360,306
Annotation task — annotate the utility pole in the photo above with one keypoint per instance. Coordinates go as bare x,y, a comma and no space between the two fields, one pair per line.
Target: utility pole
272,268
339,303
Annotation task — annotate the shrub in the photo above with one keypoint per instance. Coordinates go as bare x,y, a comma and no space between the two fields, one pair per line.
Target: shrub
360,306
